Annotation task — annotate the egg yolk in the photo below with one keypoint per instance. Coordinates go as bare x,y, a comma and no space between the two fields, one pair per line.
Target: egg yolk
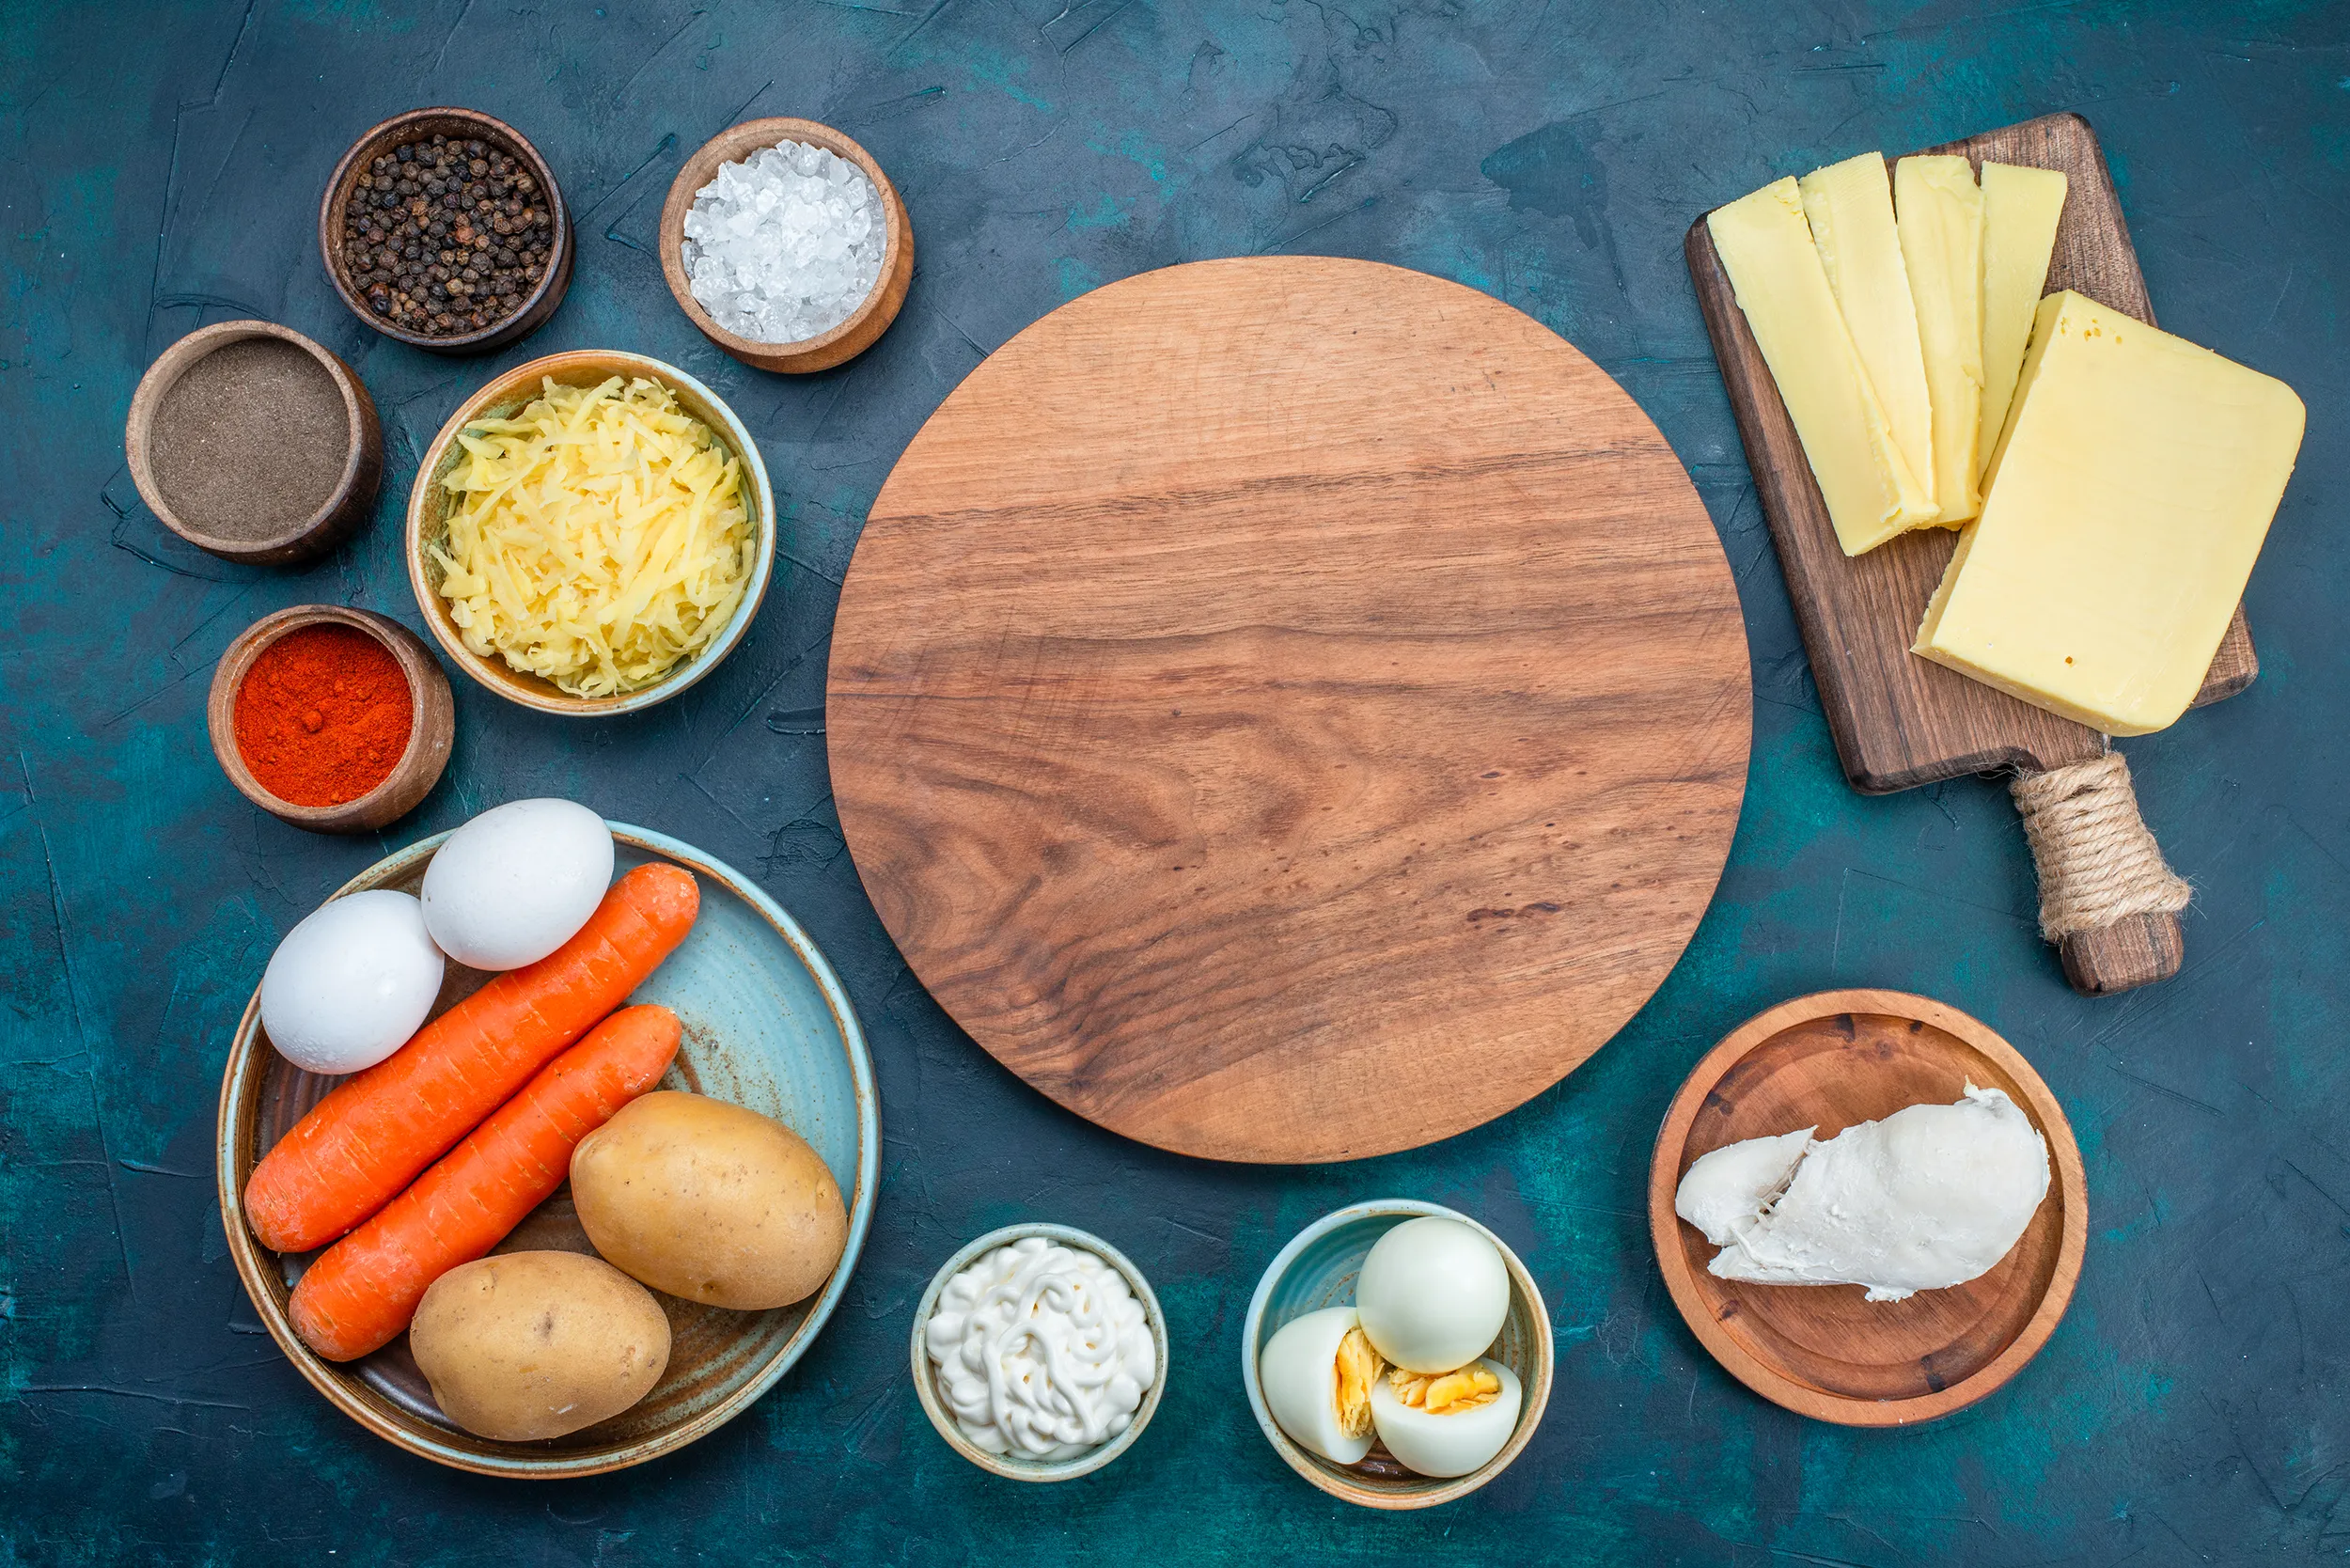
1445,1393
1359,1368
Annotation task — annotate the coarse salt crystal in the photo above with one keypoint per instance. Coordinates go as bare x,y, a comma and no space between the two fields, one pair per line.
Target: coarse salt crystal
786,245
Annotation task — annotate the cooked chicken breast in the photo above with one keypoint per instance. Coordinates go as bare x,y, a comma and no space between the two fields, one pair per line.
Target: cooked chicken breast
1931,1197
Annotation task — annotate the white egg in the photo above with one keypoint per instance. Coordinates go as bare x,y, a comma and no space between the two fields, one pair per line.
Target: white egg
348,985
517,882
1298,1371
1432,1294
1452,1442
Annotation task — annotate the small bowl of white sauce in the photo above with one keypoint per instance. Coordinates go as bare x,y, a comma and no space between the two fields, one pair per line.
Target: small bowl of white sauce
1039,1352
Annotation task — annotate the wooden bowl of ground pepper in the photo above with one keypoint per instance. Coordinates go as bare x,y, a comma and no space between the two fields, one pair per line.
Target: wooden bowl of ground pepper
252,441
334,719
445,228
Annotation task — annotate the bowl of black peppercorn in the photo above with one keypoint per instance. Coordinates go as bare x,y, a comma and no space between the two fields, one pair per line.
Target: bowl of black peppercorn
445,228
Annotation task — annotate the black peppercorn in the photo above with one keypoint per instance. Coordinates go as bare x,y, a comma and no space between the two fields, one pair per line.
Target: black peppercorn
443,237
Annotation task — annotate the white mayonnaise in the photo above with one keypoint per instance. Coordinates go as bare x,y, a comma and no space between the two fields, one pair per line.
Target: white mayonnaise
1040,1351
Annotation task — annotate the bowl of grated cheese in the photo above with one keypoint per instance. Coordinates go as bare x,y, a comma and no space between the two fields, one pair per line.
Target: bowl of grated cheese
590,533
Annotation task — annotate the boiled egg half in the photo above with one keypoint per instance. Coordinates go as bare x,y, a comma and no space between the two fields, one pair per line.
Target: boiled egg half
1319,1376
1449,1423
1432,1294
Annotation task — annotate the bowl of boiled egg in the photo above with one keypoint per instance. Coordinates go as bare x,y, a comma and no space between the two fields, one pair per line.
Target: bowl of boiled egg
1397,1354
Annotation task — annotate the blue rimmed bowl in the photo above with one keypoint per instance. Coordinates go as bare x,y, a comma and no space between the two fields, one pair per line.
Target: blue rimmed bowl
1318,1269
766,1024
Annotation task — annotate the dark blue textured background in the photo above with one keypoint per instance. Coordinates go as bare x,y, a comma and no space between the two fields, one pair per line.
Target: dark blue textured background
160,167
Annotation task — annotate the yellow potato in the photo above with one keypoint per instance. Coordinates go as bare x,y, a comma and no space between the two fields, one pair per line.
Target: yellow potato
537,1345
710,1201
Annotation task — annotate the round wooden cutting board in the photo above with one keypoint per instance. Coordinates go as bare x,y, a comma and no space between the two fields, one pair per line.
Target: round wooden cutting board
1289,709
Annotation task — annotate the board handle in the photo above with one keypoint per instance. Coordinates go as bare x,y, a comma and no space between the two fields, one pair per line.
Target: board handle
2108,899
2135,950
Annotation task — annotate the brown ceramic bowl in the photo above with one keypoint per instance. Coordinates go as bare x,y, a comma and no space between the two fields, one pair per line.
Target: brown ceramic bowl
400,130
866,323
428,522
349,505
431,733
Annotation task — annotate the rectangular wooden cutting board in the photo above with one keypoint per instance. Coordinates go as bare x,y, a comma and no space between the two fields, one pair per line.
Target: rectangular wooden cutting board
1899,720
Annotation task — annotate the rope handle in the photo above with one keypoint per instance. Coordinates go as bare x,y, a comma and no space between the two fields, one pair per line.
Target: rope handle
2108,898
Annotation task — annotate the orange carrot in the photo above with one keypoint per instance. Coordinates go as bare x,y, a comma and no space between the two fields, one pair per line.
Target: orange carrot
368,1139
362,1290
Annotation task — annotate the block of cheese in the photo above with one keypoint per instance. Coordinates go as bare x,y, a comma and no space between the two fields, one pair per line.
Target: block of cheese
1938,210
2127,502
1774,271
1850,208
2020,211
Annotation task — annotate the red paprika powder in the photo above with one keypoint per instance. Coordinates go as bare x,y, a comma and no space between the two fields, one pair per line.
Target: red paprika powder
323,715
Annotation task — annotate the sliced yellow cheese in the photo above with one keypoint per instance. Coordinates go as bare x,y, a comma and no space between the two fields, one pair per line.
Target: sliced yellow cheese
1850,208
2129,500
2020,211
1940,216
1766,246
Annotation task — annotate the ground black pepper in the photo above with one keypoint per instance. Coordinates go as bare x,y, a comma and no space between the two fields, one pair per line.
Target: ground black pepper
251,441
446,237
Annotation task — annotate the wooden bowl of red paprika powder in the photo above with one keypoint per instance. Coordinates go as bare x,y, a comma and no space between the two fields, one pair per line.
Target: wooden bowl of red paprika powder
334,719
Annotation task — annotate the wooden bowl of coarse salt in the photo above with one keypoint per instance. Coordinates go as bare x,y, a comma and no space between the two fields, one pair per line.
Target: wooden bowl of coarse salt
820,350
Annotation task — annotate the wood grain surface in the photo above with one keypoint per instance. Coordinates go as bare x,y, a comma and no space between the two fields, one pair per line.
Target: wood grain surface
1289,709
1839,1058
1899,720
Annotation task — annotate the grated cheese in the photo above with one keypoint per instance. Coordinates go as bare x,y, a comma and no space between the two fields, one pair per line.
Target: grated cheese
595,538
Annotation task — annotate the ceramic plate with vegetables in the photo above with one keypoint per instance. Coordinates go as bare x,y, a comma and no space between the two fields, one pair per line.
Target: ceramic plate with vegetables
547,1146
